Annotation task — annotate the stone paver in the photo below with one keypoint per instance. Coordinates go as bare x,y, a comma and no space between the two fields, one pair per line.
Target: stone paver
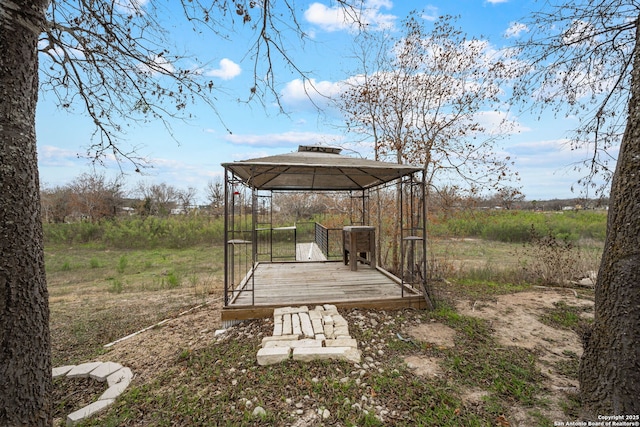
103,371
83,370
306,354
272,355
305,324
305,335
89,410
62,370
116,376
115,390
123,374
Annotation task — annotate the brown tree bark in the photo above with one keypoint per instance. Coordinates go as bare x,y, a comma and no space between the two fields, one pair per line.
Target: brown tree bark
25,354
610,366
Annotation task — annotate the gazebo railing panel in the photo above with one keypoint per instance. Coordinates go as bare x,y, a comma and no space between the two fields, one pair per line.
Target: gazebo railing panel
239,262
283,243
329,240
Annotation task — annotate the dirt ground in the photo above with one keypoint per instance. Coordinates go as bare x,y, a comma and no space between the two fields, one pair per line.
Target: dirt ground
514,318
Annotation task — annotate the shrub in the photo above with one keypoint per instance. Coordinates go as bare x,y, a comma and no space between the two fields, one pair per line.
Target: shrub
551,260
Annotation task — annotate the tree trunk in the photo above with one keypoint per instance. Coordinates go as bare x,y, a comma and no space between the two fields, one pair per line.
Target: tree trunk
25,353
610,366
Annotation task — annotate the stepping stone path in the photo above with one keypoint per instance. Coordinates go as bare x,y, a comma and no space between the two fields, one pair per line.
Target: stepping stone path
305,335
115,375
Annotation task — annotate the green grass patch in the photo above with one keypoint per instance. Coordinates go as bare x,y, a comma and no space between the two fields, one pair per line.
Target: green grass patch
515,226
91,307
567,316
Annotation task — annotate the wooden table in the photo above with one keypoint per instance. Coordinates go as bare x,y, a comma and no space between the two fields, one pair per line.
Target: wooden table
359,244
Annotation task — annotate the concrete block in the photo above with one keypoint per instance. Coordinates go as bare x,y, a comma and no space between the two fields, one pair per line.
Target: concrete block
280,311
328,331
61,371
342,342
279,343
115,390
120,375
307,354
272,355
320,337
306,326
327,320
295,324
315,315
338,320
277,327
83,370
286,324
330,309
317,326
79,415
307,342
265,340
340,331
103,371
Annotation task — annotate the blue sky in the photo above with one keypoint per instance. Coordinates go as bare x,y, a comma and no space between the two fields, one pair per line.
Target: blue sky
538,147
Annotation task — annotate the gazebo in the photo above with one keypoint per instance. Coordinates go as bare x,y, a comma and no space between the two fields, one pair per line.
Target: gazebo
269,265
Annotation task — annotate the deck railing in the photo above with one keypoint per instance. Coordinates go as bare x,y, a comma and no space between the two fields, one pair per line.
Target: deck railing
273,244
329,240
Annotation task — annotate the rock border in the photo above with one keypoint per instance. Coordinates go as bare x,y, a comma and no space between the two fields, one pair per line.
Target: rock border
116,376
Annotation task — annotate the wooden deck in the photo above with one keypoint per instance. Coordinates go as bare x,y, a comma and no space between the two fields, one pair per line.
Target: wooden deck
313,283
309,252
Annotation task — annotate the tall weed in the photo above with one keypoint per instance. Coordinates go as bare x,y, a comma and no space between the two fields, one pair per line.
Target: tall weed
140,233
515,226
552,260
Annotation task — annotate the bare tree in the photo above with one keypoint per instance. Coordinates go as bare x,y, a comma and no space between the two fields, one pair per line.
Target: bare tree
215,195
95,197
419,98
585,60
507,197
113,61
157,199
56,204
186,199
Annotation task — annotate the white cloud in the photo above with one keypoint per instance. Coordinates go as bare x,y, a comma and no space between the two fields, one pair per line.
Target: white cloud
430,13
59,52
50,155
338,18
309,93
500,123
227,71
497,1
157,65
285,139
515,30
133,7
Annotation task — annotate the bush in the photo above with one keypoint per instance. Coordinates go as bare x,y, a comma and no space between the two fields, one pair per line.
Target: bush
551,260
136,233
515,226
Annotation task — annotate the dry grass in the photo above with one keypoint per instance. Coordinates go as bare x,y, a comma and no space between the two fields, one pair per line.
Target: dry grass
96,297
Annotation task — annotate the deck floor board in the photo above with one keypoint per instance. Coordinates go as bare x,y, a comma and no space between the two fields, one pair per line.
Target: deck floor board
316,283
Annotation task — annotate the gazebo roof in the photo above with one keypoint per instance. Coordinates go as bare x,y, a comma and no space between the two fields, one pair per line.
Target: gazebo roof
316,168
